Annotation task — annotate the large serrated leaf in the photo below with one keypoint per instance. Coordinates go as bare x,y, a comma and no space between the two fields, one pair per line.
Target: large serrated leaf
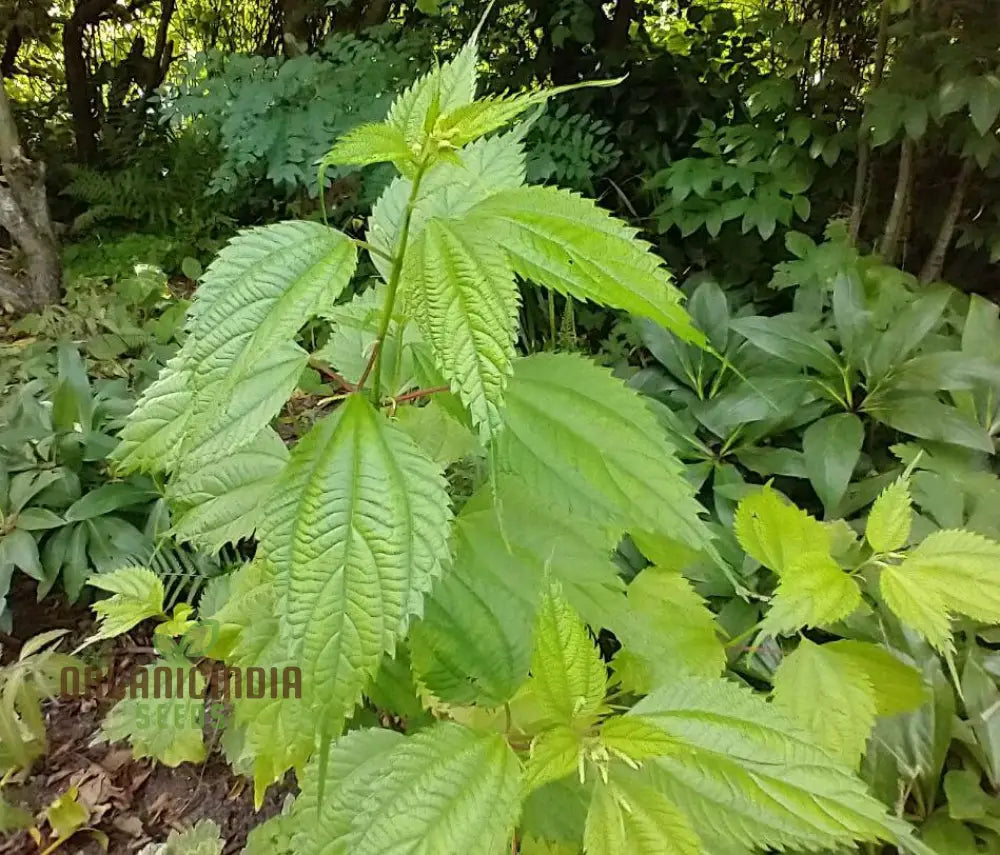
565,242
588,444
747,776
460,290
357,531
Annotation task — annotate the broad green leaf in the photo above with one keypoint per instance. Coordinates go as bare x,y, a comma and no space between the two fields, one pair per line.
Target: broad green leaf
554,754
667,627
20,549
888,526
562,241
446,789
775,532
588,444
219,502
460,289
926,417
356,529
788,337
107,498
809,674
238,365
442,437
984,102
813,592
138,595
474,641
747,776
567,671
950,572
832,448
908,330
629,815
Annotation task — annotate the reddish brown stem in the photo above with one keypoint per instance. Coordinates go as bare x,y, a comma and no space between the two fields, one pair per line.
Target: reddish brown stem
376,347
339,379
421,393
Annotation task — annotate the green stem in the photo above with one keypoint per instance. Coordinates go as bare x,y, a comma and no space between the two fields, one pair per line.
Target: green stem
394,276
552,319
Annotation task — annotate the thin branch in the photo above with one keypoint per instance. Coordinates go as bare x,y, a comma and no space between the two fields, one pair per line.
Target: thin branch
419,393
339,379
375,358
935,261
889,248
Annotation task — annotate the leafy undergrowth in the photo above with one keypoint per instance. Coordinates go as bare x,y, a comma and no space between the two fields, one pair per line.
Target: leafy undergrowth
134,802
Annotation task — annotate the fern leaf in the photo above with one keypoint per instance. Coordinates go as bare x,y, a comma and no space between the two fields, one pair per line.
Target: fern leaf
563,241
356,530
219,502
747,776
568,675
461,292
587,443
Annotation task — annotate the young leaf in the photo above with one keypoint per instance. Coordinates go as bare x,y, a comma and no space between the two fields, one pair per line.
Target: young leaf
888,526
356,529
811,672
629,815
138,595
371,143
588,444
554,754
567,671
813,591
634,737
775,532
949,572
832,448
460,289
564,242
163,719
668,628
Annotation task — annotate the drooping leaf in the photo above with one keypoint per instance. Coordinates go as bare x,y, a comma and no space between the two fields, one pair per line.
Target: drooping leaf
356,529
460,290
949,572
562,241
588,444
747,776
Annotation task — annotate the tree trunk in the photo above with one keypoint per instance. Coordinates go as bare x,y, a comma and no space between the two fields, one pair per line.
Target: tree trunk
935,261
889,248
861,178
11,48
24,214
79,88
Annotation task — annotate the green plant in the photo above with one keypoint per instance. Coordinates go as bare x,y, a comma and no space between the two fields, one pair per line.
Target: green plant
24,683
365,579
